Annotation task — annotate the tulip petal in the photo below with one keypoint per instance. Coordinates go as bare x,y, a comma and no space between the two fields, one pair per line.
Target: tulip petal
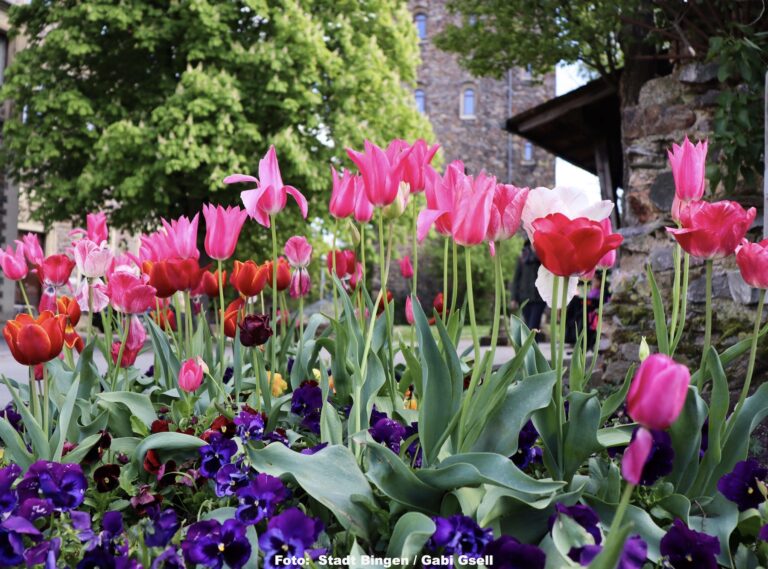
300,199
238,178
637,453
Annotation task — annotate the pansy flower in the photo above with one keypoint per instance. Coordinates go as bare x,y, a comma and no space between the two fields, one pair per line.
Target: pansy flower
459,535
212,544
743,484
218,452
259,498
685,548
289,534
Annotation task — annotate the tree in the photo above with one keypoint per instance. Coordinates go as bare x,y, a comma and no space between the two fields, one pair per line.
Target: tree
145,106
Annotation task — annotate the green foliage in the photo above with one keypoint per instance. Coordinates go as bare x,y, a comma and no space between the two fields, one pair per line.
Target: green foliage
146,106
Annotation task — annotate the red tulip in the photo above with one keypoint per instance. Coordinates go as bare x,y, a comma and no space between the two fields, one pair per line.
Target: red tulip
712,230
209,284
159,278
340,259
35,341
571,247
406,268
166,319
609,259
70,308
184,274
232,317
409,310
658,391
283,274
248,278
55,270
72,339
752,259
636,455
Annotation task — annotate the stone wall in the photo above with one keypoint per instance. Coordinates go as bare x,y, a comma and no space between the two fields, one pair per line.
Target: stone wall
669,108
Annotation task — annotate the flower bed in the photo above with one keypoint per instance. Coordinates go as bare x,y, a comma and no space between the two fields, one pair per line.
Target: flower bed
266,439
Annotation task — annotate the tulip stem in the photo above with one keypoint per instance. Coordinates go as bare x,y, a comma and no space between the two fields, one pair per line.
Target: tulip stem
475,341
752,356
676,258
384,262
90,308
444,315
621,509
584,328
683,302
560,372
599,331
496,313
46,405
26,298
118,362
415,249
333,269
455,291
503,284
273,226
707,323
221,319
190,327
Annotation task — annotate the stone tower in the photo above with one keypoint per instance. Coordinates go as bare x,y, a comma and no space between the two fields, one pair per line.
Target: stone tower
466,112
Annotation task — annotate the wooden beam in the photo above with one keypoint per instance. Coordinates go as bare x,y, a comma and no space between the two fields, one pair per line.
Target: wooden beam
557,109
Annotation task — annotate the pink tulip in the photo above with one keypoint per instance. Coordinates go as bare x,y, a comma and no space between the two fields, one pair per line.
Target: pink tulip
298,251
96,224
270,195
92,260
382,171
55,270
609,259
124,263
222,230
191,374
181,237
636,455
406,269
356,276
506,212
99,300
752,259
300,283
658,391
688,164
13,263
363,206
32,249
130,294
472,201
712,230
342,203
416,164
439,193
409,310
155,247
137,335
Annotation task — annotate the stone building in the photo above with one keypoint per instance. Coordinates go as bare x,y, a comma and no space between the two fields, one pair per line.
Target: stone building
466,112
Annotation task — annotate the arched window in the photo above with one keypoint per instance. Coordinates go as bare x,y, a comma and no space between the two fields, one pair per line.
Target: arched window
421,26
421,100
468,103
528,152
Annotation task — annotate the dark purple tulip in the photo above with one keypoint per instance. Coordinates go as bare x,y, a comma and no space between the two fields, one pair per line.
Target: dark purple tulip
289,534
212,544
255,330
230,478
685,548
508,553
741,484
459,535
388,432
164,526
250,426
218,452
259,498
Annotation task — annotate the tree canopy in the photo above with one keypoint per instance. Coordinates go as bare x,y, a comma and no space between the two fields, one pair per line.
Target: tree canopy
145,106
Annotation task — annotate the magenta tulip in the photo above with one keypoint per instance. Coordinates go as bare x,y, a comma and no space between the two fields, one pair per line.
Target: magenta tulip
633,461
181,237
298,251
382,171
439,193
658,391
130,294
137,335
363,206
342,203
270,195
688,164
222,230
300,283
406,268
14,263
417,163
609,259
506,212
32,249
96,224
712,230
191,374
409,310
752,259
92,260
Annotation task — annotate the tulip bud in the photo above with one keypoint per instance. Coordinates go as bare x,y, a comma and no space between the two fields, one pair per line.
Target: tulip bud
191,374
354,233
644,350
397,207
658,391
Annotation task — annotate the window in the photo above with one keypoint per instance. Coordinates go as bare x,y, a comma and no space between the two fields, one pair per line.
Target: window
528,152
421,100
528,73
421,26
468,104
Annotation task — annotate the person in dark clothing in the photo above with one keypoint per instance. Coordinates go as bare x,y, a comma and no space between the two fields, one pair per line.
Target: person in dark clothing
524,292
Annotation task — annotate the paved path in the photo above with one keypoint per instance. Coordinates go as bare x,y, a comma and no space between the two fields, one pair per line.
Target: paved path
10,368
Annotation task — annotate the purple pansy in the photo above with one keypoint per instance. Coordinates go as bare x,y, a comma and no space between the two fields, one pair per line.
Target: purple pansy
63,485
307,402
164,526
289,534
315,449
508,553
459,535
741,485
12,532
633,555
585,517
230,478
10,414
8,497
212,544
685,548
218,452
388,432
44,553
526,451
168,559
660,459
258,499
250,426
